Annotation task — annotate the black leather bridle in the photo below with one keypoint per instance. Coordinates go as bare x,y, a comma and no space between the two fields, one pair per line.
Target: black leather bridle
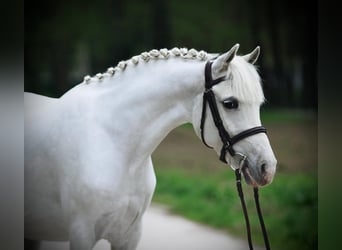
209,98
227,146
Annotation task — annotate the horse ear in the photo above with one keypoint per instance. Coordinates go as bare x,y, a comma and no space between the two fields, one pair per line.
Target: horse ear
221,63
253,56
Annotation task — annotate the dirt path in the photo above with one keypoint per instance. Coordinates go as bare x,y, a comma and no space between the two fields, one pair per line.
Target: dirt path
165,231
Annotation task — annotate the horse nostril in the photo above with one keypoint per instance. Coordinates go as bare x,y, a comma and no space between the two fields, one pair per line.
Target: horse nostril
263,168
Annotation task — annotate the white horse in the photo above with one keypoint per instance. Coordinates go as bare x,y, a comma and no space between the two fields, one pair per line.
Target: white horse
88,168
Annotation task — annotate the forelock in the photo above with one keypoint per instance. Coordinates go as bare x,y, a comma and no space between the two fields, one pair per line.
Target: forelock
244,81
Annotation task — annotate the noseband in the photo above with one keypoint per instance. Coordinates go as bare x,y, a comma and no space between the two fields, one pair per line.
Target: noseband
227,146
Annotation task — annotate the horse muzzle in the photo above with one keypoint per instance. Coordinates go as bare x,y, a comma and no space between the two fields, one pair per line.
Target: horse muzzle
254,175
258,175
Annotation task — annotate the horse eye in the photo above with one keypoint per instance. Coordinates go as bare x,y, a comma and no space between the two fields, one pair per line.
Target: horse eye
231,103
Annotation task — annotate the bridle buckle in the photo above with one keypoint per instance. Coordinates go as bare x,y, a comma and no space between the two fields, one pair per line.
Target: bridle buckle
239,159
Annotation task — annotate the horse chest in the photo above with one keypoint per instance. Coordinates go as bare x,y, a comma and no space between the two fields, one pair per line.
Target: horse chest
123,216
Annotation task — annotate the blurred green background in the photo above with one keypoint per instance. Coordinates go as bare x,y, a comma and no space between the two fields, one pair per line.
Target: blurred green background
66,40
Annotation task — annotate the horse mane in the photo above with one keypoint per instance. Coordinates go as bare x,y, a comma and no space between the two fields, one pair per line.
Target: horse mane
243,78
151,55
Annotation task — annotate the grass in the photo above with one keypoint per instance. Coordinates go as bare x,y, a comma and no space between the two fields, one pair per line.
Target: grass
289,207
195,185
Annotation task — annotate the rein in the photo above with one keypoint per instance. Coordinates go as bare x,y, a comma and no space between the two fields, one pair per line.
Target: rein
228,142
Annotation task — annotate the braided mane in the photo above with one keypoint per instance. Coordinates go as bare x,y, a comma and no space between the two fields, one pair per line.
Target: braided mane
244,74
151,55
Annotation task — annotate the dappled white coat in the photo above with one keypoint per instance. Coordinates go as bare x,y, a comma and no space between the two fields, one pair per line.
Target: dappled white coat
88,169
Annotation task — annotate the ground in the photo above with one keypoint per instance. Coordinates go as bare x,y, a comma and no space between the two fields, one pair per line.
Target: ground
163,230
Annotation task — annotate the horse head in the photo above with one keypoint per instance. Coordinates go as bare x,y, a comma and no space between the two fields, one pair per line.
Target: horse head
236,95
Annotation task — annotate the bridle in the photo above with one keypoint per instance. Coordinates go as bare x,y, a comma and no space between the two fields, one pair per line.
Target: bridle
228,143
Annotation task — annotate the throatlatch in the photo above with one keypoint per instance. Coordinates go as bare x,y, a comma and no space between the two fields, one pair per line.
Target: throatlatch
227,146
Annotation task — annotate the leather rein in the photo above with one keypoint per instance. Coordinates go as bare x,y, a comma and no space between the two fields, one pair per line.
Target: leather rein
227,146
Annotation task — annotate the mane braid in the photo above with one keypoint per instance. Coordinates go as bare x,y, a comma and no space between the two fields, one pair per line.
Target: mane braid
151,55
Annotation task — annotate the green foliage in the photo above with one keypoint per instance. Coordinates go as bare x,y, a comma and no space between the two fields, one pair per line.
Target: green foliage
287,116
66,40
289,204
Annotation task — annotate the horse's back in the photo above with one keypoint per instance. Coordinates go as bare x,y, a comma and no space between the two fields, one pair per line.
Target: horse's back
36,103
40,114
41,185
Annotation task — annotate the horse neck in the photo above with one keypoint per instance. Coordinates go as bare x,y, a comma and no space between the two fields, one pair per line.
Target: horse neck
145,103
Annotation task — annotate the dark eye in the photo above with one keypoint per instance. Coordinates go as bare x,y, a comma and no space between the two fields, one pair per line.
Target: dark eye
230,103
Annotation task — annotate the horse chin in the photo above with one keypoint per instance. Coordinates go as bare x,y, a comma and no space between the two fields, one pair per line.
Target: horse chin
248,177
255,181
246,173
